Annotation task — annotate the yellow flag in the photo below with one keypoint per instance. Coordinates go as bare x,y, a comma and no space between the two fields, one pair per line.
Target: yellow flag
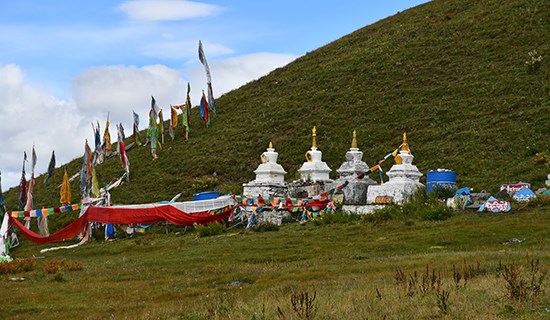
95,184
65,190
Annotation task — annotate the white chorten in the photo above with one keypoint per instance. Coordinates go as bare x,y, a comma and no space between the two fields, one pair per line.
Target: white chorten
356,191
404,179
270,177
314,169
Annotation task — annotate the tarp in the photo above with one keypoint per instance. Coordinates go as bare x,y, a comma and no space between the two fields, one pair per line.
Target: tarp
141,214
524,194
152,213
494,205
69,232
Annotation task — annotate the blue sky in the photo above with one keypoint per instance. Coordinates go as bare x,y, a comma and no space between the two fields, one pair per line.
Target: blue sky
65,64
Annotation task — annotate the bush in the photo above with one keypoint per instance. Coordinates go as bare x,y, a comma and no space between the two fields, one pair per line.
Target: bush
58,266
435,212
337,217
210,229
266,226
421,205
204,183
17,266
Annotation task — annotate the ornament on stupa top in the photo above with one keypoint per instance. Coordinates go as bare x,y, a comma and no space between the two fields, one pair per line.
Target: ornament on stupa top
314,139
354,140
405,145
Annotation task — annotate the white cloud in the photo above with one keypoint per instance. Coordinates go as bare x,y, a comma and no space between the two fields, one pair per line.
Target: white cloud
230,74
182,49
167,10
118,90
30,115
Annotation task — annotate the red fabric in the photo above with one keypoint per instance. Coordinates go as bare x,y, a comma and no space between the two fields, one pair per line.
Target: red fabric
69,232
121,215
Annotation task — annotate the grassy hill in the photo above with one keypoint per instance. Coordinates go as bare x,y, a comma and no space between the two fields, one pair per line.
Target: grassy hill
451,73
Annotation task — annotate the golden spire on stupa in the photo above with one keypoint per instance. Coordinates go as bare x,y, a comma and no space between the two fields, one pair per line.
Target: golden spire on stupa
314,135
405,145
270,145
354,140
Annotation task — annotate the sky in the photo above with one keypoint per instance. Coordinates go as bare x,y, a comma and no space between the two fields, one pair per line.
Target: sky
65,64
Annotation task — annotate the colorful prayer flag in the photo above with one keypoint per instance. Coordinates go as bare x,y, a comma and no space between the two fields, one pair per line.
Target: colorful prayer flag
161,126
107,137
136,129
187,113
202,58
173,121
23,185
65,190
51,166
122,151
204,109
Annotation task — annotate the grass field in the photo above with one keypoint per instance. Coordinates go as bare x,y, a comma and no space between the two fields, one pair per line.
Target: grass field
358,268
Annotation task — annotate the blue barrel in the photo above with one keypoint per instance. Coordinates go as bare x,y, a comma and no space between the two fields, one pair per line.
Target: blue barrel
206,195
440,179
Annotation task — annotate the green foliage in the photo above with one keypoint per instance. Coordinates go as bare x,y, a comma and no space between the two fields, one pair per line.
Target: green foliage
211,229
204,183
435,212
422,205
534,62
337,217
266,226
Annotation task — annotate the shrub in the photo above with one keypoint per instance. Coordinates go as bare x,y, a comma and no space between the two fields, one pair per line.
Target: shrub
17,266
210,229
204,183
266,226
58,266
435,212
338,217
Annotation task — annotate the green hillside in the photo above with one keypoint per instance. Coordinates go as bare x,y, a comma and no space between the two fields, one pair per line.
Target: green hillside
451,73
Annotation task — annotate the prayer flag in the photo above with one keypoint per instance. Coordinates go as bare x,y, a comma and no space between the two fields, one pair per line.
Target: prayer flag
187,113
202,59
23,185
51,166
2,203
107,137
173,121
161,120
136,129
204,109
65,190
122,151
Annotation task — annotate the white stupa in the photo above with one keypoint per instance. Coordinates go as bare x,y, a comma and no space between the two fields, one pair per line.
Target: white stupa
404,179
314,169
270,177
356,191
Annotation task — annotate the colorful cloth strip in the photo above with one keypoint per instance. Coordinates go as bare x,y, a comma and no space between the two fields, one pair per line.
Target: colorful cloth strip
45,212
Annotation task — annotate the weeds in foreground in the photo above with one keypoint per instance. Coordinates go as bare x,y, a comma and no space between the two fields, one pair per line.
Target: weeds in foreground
17,266
57,266
522,284
303,305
